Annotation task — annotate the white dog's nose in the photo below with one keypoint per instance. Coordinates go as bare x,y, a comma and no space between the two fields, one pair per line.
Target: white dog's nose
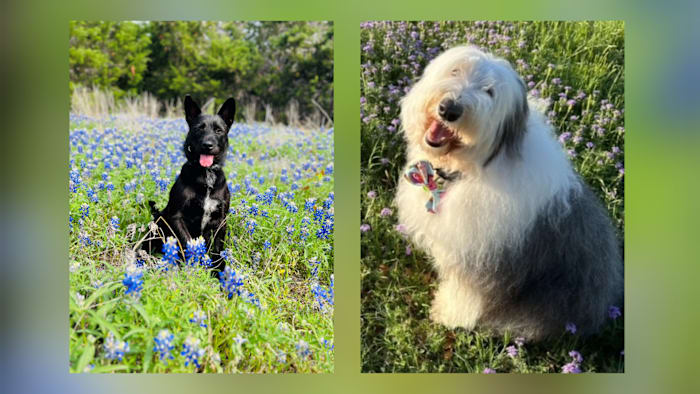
449,110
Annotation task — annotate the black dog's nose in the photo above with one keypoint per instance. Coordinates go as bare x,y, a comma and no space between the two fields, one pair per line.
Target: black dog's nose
449,110
208,145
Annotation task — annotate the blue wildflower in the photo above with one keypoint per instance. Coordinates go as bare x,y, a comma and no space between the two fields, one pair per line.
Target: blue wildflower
92,195
309,204
84,210
132,281
170,253
324,298
231,282
164,345
114,349
250,225
195,251
192,351
114,223
199,317
303,350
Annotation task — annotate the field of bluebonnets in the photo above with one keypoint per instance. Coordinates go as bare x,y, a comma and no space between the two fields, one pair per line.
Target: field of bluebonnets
577,70
272,309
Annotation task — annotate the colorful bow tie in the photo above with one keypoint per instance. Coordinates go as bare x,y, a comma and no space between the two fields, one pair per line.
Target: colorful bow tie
423,174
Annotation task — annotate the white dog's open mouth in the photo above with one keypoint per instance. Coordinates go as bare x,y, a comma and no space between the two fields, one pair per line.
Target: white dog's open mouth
438,134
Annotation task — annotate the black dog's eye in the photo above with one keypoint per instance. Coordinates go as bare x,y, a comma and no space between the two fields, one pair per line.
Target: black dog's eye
218,131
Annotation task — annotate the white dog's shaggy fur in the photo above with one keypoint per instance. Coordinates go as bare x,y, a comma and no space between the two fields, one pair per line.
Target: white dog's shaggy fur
519,242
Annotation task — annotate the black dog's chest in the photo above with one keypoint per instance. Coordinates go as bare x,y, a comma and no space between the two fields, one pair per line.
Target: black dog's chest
209,203
204,210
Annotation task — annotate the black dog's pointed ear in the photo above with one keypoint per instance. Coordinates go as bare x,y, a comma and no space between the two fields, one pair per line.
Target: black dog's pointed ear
192,110
227,111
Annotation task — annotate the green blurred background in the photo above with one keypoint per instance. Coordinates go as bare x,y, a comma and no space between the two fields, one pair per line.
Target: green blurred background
662,122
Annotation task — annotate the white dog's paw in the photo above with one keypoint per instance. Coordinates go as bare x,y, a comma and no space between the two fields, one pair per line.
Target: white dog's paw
439,315
455,306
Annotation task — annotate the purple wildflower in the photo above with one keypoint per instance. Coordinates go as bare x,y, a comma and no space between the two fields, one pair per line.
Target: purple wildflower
512,351
614,312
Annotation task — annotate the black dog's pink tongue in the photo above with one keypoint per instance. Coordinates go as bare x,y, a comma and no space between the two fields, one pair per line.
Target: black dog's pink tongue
206,160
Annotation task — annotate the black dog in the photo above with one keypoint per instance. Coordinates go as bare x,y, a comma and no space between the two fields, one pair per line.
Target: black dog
199,199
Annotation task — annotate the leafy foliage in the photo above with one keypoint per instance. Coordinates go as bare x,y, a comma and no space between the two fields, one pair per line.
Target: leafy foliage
263,63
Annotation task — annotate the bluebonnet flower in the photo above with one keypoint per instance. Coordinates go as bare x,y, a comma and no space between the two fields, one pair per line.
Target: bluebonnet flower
84,239
91,194
281,357
309,204
253,210
303,233
164,345
489,370
250,225
319,214
114,349
195,251
192,351
386,212
326,229
231,282
114,223
328,202
133,281
365,227
314,267
570,327
199,317
170,253
303,350
84,210
75,177
267,244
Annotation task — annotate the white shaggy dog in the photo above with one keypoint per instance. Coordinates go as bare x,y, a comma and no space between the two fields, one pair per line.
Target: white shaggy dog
519,242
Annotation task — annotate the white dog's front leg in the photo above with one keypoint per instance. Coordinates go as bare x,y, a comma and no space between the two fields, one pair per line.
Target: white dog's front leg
456,302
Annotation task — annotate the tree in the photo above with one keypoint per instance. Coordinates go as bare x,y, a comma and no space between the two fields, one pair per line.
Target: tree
110,55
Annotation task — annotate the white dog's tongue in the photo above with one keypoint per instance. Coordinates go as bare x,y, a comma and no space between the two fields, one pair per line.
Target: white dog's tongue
206,160
438,133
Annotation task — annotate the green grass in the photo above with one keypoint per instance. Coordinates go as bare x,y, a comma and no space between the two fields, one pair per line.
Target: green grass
239,336
398,282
